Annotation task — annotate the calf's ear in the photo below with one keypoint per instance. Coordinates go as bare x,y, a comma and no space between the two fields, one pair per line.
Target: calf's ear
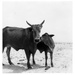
51,35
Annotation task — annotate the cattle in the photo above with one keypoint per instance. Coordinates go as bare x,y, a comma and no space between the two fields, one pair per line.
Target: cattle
22,38
47,45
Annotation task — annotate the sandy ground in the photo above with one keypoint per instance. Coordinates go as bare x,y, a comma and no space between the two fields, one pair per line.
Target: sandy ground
62,59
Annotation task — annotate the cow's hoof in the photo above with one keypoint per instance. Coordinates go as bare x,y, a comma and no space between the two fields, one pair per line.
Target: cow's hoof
2,64
34,63
47,67
11,63
52,65
30,67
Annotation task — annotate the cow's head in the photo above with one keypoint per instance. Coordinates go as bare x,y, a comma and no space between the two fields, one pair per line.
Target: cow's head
36,28
47,39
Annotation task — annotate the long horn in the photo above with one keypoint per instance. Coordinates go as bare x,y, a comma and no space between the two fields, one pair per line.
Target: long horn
51,35
28,23
43,22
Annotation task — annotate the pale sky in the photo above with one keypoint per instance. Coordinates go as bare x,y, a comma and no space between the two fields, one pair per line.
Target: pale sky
57,16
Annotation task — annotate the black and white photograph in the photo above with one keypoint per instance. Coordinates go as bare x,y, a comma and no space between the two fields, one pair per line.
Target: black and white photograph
37,37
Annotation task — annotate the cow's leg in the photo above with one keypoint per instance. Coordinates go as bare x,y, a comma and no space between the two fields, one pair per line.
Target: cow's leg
3,48
2,52
46,58
28,59
51,55
33,58
8,55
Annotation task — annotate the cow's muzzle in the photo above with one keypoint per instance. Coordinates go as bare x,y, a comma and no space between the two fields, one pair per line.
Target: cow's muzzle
37,40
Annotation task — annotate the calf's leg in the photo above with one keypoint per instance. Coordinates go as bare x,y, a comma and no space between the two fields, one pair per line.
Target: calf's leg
51,55
46,58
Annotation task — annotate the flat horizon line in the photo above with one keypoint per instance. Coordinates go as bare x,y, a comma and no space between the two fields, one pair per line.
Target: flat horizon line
65,42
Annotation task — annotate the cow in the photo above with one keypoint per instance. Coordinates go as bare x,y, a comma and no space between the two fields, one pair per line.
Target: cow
47,45
22,38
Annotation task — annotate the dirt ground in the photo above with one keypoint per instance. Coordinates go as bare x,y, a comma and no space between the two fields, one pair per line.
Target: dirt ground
62,60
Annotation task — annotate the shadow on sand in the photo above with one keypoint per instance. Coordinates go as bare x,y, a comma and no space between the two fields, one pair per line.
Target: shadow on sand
18,68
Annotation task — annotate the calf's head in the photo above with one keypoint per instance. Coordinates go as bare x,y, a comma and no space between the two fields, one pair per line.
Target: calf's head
47,39
36,28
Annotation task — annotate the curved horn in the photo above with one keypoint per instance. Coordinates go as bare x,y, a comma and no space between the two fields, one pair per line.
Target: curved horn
51,35
28,23
43,22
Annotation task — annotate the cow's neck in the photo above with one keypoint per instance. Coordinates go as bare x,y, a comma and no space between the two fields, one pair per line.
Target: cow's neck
31,37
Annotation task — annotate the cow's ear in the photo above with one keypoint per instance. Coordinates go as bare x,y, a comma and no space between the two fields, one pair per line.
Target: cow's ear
51,35
42,22
28,23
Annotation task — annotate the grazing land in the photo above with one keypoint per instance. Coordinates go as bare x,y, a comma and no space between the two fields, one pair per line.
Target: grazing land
62,59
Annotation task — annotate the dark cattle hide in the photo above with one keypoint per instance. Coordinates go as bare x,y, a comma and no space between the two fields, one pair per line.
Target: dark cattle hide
47,45
20,38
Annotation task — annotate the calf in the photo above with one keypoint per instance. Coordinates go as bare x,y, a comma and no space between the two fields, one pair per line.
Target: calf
47,45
